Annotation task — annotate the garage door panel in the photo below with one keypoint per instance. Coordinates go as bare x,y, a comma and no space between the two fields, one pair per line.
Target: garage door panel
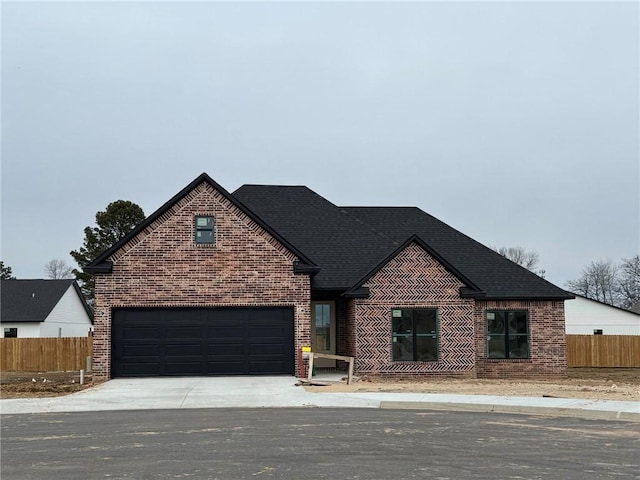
184,332
184,349
206,341
183,368
268,315
264,331
264,340
133,351
224,332
219,349
149,332
266,349
226,315
138,369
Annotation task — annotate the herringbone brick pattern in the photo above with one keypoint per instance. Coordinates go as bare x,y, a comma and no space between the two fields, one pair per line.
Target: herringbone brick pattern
414,279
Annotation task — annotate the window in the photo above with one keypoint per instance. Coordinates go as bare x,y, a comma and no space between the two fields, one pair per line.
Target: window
322,330
414,334
507,334
10,333
204,229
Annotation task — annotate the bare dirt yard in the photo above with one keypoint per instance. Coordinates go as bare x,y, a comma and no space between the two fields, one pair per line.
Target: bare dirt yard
589,383
41,384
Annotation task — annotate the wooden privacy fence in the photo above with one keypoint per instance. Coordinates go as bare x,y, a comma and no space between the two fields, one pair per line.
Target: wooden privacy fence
603,350
60,354
44,354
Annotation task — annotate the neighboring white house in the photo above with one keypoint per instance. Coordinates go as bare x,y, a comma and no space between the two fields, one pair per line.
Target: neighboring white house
584,316
43,308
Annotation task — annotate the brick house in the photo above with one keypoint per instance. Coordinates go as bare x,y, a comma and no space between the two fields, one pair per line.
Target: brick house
219,283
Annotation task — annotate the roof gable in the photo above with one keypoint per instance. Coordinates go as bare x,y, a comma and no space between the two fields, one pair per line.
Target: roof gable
492,273
102,264
33,300
469,290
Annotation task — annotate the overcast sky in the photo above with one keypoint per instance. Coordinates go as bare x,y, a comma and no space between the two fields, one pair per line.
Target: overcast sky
516,123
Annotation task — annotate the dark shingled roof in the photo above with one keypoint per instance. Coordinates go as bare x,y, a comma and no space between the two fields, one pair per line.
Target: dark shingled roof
490,271
344,249
33,300
347,243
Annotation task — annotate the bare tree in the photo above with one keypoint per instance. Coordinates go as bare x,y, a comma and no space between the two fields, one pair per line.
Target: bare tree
527,259
599,281
629,281
58,269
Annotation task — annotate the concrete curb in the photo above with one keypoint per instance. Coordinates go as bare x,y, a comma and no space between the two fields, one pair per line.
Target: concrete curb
515,409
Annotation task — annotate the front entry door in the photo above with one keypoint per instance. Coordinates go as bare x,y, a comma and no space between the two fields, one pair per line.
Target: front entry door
323,332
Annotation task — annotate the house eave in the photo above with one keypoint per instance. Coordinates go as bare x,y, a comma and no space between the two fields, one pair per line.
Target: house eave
102,267
535,298
302,267
466,292
361,292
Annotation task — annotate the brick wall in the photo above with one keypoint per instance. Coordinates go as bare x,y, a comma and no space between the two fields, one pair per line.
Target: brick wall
162,267
547,344
410,280
345,342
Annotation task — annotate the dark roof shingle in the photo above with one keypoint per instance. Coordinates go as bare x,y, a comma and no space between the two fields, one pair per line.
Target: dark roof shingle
344,249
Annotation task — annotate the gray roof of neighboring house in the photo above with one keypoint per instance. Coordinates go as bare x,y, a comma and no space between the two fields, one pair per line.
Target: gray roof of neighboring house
33,300
635,308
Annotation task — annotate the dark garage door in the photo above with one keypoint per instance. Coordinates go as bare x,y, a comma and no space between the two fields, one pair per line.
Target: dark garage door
201,341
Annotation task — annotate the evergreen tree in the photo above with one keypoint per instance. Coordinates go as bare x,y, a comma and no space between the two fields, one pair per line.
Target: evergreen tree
5,272
112,224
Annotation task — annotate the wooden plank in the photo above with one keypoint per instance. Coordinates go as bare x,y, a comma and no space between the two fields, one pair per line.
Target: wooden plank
313,383
310,372
333,357
350,373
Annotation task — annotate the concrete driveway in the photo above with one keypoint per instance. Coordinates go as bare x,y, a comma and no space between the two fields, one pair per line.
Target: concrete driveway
184,392
281,391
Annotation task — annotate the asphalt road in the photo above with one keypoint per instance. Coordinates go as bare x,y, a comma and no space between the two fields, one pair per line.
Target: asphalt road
314,444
